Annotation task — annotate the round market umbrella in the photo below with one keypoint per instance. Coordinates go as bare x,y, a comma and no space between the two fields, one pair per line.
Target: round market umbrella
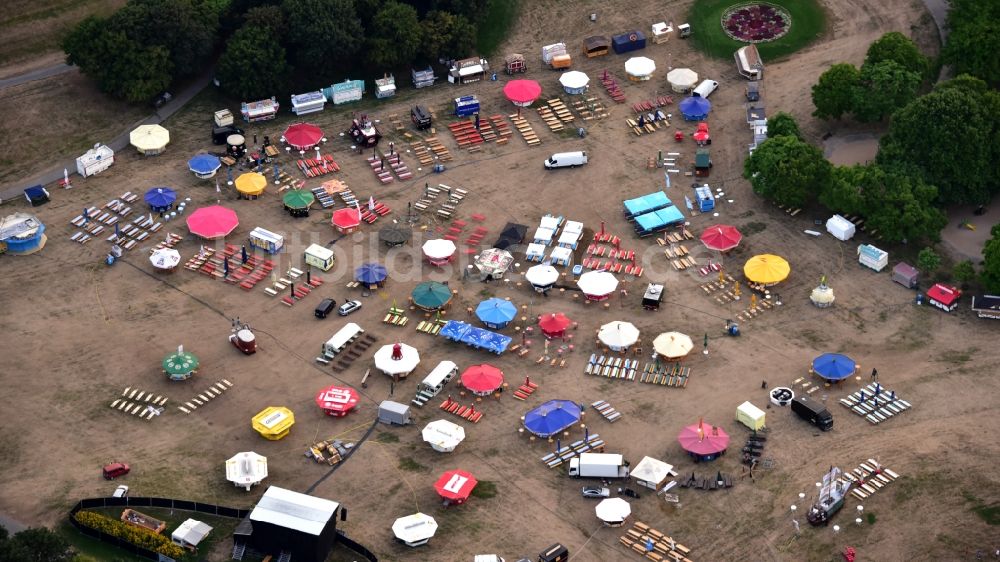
251,183
337,400
204,165
408,360
618,335
246,469
165,258
443,435
613,510
722,237
682,79
371,273
212,222
597,285
149,139
415,530
482,379
700,440
552,417
834,366
555,324
541,276
673,345
180,364
574,81
522,92
695,108
395,234
640,66
438,249
346,220
298,199
303,136
455,485
701,135
496,312
766,269
160,198
493,261
431,295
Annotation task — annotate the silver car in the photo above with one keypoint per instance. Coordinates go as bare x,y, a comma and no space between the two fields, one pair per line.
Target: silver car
595,492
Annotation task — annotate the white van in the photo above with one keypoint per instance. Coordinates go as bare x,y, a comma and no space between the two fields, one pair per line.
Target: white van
706,88
566,160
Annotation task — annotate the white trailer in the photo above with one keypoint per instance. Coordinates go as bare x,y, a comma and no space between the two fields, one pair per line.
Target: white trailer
309,102
95,160
598,465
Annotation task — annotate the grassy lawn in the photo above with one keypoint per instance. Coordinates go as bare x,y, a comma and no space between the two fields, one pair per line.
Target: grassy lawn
494,27
34,27
808,23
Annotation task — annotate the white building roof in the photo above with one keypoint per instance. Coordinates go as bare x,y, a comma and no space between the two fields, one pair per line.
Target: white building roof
292,510
651,470
190,532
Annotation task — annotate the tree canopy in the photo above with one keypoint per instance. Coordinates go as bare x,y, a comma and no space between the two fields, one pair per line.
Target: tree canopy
782,123
253,65
37,544
898,48
973,45
324,36
833,95
394,36
446,35
991,262
883,87
928,260
787,171
176,25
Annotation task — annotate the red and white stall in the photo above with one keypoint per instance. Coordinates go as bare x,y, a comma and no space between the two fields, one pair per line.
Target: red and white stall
337,401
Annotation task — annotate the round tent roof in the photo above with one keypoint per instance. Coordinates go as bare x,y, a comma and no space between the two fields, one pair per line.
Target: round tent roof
337,399
402,366
496,311
541,275
443,435
212,222
822,296
554,323
673,345
431,295
370,273
597,283
246,469
618,334
165,258
160,197
414,528
640,66
149,138
766,269
834,366
303,136
552,417
395,234
298,199
522,92
204,164
482,379
439,248
574,79
722,237
251,183
683,78
695,107
346,218
701,439
613,510
494,260
455,485
180,364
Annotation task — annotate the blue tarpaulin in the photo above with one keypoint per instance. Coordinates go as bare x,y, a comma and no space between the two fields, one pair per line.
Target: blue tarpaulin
695,108
160,198
370,274
834,366
496,313
552,417
478,338
204,164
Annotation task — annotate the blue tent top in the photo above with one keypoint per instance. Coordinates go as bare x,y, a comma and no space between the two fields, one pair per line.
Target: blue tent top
646,203
834,366
370,273
552,417
659,219
159,197
496,311
695,107
204,164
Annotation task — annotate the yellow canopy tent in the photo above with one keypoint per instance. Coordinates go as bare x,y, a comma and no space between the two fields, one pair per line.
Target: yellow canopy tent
766,269
251,184
273,422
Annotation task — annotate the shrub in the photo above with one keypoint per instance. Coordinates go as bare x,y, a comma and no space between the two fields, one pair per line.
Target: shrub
138,536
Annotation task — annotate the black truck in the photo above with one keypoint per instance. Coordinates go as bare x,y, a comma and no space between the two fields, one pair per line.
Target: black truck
813,412
421,117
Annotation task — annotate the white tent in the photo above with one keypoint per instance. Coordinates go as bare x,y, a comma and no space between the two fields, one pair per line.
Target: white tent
535,252
543,235
673,345
415,530
149,139
443,435
165,259
618,335
640,68
840,228
190,533
541,276
438,249
682,80
597,284
494,262
246,469
651,473
402,366
613,511
95,160
574,82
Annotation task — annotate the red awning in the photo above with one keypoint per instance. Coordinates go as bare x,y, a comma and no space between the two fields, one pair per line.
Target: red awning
337,399
303,136
482,378
721,237
703,439
944,294
346,218
522,92
554,324
455,485
212,222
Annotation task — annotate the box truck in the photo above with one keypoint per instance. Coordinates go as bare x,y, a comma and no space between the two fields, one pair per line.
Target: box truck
813,412
598,465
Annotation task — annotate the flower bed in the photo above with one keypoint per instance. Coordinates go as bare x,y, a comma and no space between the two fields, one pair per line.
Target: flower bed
756,23
135,535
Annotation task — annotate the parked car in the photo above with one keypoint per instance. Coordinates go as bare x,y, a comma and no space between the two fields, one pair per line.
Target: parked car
120,492
115,469
595,492
325,307
348,307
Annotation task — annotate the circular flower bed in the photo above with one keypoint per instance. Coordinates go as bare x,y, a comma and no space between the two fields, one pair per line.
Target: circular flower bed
756,23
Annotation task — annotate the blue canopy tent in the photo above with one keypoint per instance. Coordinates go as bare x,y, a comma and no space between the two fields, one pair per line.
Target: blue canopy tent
695,108
204,166
834,366
459,331
645,204
160,199
371,274
552,417
496,313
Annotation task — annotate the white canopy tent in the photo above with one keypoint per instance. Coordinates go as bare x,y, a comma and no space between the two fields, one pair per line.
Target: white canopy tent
165,259
438,249
682,80
541,276
246,469
618,335
149,139
415,530
597,284
443,435
190,533
651,473
613,511
403,366
574,82
640,68
673,345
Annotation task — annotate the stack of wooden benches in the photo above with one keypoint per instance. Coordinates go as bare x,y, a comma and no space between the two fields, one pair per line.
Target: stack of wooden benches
503,132
205,396
525,390
523,127
396,317
868,478
138,403
590,108
550,118
611,85
674,375
609,413
469,413
875,408
466,134
592,444
313,167
664,548
720,480
353,350
611,367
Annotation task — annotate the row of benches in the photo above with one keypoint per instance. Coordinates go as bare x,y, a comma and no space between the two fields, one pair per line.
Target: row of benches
592,444
204,397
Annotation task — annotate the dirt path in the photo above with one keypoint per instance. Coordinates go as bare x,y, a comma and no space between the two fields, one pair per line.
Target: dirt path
37,74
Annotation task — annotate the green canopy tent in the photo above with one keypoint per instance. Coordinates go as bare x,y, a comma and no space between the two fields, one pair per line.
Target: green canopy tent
298,201
431,295
180,365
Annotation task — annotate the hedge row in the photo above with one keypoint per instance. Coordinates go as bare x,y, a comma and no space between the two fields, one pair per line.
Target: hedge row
138,536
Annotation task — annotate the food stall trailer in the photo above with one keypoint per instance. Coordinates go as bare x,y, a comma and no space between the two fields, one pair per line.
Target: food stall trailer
266,240
260,110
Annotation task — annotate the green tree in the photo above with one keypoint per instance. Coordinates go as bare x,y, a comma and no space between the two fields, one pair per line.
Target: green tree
788,171
324,36
118,65
270,17
833,94
964,82
253,65
991,262
928,261
186,32
395,36
964,271
899,205
445,35
843,193
974,38
883,88
896,47
782,123
37,544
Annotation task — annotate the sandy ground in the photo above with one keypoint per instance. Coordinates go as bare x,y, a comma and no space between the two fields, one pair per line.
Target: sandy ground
78,332
847,150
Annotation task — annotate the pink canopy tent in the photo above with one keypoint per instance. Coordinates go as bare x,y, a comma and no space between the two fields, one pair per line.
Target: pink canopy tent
702,442
482,379
346,220
303,136
554,325
522,93
212,222
722,237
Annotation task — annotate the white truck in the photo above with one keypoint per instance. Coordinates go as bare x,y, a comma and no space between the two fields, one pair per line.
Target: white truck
598,465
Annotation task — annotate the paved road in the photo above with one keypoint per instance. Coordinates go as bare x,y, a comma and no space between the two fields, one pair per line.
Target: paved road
38,74
11,525
939,11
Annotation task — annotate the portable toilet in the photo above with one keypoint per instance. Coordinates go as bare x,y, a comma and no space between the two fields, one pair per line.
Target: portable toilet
706,201
393,413
750,416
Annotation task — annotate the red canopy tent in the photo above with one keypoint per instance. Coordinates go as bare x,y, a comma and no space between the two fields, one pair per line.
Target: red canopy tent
212,222
455,486
703,443
554,325
522,92
721,237
346,220
303,136
701,135
337,401
482,379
